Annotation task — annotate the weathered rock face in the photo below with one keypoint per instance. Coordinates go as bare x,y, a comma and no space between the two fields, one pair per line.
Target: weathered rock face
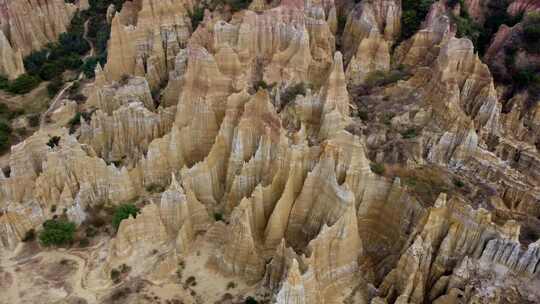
382,17
443,244
372,55
424,46
480,9
11,63
146,42
29,25
110,97
125,135
256,126
517,7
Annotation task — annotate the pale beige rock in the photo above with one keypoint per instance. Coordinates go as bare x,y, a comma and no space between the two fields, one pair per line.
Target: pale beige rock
380,16
125,135
110,97
11,63
161,43
372,55
65,113
30,25
240,254
424,46
183,215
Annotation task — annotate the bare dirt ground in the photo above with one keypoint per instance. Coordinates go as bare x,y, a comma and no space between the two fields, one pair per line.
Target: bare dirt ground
32,274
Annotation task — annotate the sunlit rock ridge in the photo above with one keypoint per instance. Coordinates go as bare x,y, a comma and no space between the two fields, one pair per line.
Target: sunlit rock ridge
254,192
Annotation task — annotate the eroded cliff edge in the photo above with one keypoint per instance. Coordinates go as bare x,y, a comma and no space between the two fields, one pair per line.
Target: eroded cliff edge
245,143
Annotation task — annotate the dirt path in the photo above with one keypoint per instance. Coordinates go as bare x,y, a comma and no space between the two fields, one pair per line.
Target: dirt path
10,264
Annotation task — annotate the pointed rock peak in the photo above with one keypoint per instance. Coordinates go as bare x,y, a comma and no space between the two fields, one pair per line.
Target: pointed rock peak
175,185
396,183
441,201
98,68
294,276
338,63
511,230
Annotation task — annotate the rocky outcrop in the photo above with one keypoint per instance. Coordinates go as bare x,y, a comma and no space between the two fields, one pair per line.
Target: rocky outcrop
424,46
372,55
511,254
11,63
183,215
125,135
257,127
145,47
140,235
30,25
110,97
382,17
442,240
517,7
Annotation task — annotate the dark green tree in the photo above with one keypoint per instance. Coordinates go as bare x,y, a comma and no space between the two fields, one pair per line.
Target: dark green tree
57,232
123,212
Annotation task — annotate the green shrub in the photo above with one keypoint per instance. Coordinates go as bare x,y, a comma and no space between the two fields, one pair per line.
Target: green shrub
4,83
29,236
341,23
102,38
57,232
364,116
196,16
261,85
218,216
238,5
67,53
84,242
123,212
124,268
33,120
23,84
414,12
50,70
525,78
76,120
71,62
290,93
466,27
54,142
115,275
377,168
409,133
91,231
4,141
5,112
531,32
4,127
89,67
5,132
387,118
458,183
73,42
35,61
155,188
251,300
54,86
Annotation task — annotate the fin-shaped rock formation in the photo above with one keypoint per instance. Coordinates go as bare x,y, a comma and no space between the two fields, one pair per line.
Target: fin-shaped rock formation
242,143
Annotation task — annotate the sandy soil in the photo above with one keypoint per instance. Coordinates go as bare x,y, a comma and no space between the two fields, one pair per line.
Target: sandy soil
31,274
